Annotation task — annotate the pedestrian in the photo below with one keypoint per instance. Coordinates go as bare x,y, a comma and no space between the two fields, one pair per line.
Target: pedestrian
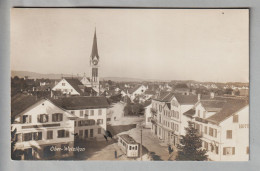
115,154
169,149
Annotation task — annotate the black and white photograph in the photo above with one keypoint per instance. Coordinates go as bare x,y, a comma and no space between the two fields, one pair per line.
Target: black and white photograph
125,84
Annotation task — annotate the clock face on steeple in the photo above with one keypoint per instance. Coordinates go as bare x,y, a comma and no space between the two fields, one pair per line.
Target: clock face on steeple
95,62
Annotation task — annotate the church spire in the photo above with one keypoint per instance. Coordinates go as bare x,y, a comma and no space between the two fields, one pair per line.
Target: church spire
94,52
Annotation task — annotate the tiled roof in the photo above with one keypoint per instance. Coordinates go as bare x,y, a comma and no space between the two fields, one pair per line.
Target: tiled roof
150,92
164,96
75,83
21,102
79,102
213,105
186,99
230,107
190,112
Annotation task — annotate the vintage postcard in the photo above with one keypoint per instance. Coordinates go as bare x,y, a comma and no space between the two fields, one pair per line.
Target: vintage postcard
130,84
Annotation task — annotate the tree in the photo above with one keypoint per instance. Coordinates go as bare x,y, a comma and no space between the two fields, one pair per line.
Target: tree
190,147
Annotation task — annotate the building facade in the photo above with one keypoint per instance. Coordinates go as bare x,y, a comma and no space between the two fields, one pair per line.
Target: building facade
41,128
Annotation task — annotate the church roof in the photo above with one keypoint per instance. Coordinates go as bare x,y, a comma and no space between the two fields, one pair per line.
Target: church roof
94,52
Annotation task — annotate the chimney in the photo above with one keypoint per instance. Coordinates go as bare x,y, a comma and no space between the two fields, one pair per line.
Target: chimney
212,95
199,97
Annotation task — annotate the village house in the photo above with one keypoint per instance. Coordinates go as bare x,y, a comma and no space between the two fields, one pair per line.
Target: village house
40,126
167,115
91,115
223,124
135,91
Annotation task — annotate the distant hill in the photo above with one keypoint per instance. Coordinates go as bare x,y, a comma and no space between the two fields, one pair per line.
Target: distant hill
34,75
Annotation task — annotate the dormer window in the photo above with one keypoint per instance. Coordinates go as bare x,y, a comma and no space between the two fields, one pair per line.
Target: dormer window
63,84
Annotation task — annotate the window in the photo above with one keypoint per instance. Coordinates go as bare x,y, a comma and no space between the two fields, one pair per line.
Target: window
86,133
81,113
49,135
80,133
108,119
91,132
235,118
228,150
136,147
75,123
63,84
211,147
27,119
37,136
57,117
215,133
63,133
205,129
199,113
130,147
99,112
92,112
211,132
99,121
43,118
99,130
27,137
216,149
86,113
72,112
229,134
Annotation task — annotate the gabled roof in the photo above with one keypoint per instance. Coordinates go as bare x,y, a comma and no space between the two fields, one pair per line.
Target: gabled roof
213,105
79,102
164,96
190,112
94,52
75,83
186,99
132,90
21,102
230,107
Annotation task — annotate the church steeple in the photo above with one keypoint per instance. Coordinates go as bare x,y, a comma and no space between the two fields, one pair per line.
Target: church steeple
94,52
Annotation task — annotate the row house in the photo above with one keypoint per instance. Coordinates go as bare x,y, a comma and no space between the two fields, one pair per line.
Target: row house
167,115
40,127
223,124
91,115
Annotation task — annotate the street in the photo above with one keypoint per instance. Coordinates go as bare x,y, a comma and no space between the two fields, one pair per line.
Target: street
153,149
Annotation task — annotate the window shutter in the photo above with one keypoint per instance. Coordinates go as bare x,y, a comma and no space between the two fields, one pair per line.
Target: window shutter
30,118
53,117
224,151
67,133
233,150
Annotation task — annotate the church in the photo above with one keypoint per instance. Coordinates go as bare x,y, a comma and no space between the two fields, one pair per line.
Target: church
94,65
86,86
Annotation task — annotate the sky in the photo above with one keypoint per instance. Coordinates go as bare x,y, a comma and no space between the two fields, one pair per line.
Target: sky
167,44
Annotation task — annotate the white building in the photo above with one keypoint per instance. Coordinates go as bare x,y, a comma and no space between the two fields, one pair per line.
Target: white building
148,115
69,86
137,90
91,115
40,127
224,126
167,115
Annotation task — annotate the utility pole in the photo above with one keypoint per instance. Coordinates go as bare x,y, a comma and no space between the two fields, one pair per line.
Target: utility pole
141,148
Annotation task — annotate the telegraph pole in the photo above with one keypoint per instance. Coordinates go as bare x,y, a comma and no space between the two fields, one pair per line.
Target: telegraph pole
141,148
